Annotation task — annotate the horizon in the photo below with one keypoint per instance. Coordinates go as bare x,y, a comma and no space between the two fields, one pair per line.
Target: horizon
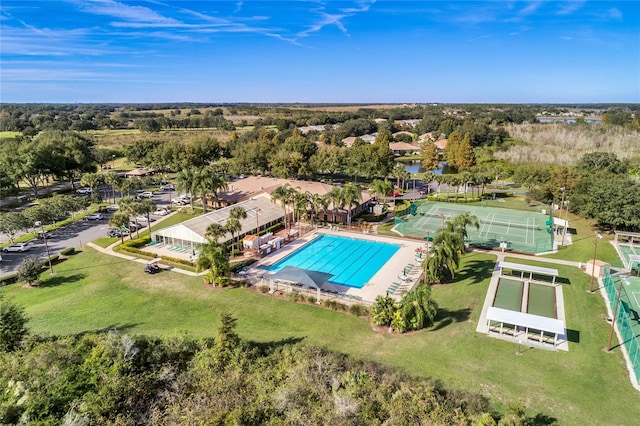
340,53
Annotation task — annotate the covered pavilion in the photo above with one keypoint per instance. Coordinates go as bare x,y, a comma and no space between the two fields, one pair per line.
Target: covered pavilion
531,270
303,277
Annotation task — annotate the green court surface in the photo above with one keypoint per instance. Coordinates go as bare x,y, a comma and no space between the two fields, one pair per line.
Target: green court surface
508,295
542,300
527,232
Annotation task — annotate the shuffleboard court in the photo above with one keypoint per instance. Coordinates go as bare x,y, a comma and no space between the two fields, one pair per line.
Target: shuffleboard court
542,300
508,295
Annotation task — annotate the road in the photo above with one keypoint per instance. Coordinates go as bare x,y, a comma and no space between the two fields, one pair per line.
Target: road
73,235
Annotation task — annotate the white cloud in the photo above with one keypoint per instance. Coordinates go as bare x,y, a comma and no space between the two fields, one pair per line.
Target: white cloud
615,13
129,13
568,7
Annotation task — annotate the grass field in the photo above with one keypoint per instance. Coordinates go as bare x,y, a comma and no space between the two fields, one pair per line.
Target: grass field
91,292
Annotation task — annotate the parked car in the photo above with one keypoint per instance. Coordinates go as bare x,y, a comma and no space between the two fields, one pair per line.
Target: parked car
17,247
44,234
161,212
145,194
84,191
168,187
113,207
114,233
94,216
143,218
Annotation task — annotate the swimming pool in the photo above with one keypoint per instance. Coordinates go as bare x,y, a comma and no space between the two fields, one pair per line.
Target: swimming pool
351,261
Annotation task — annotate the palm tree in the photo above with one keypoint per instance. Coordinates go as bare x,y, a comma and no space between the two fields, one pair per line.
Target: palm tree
129,207
234,224
418,309
443,262
333,198
111,179
185,180
381,187
350,195
147,206
300,205
123,185
213,257
119,220
92,180
218,184
400,172
214,232
461,222
282,194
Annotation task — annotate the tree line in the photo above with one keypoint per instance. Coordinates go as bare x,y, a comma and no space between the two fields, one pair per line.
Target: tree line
115,378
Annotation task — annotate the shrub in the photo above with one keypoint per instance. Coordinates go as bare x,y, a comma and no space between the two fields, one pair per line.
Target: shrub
295,297
311,299
336,306
9,279
68,251
263,289
29,270
13,325
177,260
136,251
138,242
45,262
358,310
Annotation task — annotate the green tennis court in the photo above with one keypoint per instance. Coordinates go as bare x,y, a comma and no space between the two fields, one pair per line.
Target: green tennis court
527,232
542,300
508,295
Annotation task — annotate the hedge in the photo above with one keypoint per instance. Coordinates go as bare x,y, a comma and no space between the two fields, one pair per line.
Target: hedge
138,242
68,251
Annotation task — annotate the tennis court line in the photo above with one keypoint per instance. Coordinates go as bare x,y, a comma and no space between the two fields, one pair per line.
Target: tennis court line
635,296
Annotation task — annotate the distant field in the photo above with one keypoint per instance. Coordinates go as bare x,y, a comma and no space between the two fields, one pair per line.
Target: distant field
346,107
8,134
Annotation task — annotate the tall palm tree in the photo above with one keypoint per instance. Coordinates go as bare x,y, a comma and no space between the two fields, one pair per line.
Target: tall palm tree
202,185
119,220
443,262
400,173
300,205
381,187
283,195
147,206
461,222
218,184
128,207
334,198
234,224
350,195
111,179
185,180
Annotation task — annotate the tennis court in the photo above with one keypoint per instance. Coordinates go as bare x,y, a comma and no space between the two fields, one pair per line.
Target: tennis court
527,232
542,300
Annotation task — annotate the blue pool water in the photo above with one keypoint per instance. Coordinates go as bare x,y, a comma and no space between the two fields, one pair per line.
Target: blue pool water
352,262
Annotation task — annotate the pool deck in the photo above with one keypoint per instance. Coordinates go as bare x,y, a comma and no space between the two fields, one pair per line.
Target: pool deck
388,274
482,326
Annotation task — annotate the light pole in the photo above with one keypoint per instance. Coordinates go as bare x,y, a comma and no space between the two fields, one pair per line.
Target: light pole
593,265
426,260
257,210
561,203
615,312
519,351
566,221
46,246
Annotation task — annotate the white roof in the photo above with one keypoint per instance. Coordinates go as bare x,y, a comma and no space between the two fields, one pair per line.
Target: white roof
560,222
260,211
526,320
529,268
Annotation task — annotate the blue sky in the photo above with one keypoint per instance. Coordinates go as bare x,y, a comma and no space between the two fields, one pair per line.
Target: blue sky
319,51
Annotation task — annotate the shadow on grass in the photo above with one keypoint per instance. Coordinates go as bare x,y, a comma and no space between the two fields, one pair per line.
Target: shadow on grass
56,280
573,335
265,347
119,328
476,271
445,317
563,280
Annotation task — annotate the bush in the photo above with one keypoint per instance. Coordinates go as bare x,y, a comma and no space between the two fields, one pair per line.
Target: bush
295,297
358,310
68,251
13,325
138,242
177,260
263,289
29,270
311,299
336,306
136,251
45,262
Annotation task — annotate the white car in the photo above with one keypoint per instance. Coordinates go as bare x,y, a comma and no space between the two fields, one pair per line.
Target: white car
168,187
17,247
146,194
94,216
84,191
161,212
143,218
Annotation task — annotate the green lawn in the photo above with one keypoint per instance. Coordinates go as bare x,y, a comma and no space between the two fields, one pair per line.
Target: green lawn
92,291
